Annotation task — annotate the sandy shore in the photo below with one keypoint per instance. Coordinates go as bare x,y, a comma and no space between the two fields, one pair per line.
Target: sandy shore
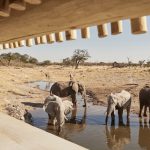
99,82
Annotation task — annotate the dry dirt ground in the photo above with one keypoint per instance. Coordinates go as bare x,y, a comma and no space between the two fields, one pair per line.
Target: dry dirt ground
99,82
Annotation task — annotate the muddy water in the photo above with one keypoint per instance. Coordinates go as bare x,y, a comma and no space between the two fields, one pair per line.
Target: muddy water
86,128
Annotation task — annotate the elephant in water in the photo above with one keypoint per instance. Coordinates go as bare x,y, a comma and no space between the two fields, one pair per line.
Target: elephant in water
118,101
57,110
71,88
144,99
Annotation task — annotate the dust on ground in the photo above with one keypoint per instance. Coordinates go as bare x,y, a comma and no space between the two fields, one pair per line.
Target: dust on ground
99,81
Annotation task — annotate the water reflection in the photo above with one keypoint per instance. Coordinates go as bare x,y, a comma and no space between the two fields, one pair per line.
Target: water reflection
118,137
72,125
144,133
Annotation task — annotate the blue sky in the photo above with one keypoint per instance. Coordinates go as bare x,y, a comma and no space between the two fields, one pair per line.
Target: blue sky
111,48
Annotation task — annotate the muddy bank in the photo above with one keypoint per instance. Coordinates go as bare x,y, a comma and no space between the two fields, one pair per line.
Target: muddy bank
99,81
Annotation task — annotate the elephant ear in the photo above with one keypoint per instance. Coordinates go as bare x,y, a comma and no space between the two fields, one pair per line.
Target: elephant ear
75,87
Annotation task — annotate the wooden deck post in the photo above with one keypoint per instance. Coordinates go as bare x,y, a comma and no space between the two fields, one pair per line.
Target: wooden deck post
17,4
37,40
139,25
16,44
59,37
6,46
71,35
4,8
116,27
29,42
85,32
11,45
102,30
21,43
43,39
50,38
1,46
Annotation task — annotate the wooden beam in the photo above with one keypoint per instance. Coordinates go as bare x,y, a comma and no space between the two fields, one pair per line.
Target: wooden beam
85,32
11,45
4,8
6,45
59,37
17,4
71,35
37,40
116,27
59,15
43,39
29,42
139,25
50,38
16,44
34,2
102,30
21,43
1,46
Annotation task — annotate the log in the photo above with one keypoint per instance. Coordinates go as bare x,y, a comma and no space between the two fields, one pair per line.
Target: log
17,4
11,45
71,35
50,38
37,40
85,32
29,42
116,27
43,39
102,30
4,8
59,37
139,25
5,45
34,2
21,43
16,44
1,46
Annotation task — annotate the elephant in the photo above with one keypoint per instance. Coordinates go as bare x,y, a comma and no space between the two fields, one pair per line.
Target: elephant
57,110
144,100
119,101
71,88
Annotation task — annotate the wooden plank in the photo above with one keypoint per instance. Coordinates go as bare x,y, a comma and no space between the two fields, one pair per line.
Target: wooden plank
50,38
59,37
71,35
102,30
17,135
139,25
85,33
116,27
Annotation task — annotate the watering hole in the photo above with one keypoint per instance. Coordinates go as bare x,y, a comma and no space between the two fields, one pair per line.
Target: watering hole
85,127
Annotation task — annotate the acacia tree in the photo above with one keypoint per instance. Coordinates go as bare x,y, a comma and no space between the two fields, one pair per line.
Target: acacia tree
80,56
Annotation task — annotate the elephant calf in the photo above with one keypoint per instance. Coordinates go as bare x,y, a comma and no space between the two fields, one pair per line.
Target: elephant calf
118,101
57,110
144,99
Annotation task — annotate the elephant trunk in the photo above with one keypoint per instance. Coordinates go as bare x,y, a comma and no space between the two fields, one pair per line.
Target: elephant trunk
110,109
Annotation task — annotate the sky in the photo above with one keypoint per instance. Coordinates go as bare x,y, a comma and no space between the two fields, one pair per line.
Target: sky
108,49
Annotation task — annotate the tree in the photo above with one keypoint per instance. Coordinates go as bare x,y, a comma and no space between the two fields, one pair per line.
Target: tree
67,61
79,56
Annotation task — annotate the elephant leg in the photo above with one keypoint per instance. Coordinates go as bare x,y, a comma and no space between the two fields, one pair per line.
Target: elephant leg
120,112
145,109
141,108
112,118
73,96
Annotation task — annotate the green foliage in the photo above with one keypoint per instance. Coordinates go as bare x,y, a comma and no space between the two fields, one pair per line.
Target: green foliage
15,58
45,63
